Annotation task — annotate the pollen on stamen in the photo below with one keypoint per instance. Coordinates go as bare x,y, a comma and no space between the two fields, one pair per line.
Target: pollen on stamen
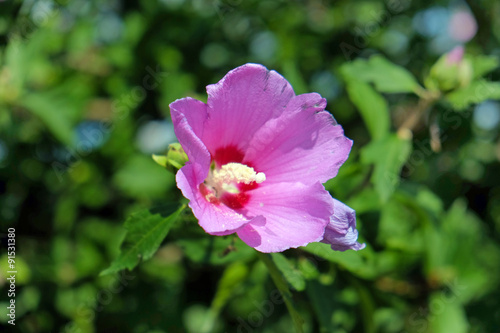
237,173
260,177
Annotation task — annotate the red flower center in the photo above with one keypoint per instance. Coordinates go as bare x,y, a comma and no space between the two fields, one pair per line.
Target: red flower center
229,180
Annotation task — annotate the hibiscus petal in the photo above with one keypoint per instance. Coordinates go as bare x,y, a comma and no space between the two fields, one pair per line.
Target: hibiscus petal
189,116
295,215
341,232
216,219
239,104
303,144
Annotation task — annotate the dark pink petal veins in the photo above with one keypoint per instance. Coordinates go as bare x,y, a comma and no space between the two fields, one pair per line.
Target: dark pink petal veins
293,214
241,103
305,144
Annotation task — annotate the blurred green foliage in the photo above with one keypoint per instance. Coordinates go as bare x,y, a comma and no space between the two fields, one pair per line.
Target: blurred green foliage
84,94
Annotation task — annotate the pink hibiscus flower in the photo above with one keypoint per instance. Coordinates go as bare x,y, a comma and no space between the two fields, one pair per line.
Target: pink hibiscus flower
258,155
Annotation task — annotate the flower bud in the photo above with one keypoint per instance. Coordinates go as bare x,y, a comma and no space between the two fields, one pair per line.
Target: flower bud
174,159
451,71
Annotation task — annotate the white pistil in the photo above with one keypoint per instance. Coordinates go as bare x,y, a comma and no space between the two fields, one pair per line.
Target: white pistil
229,175
237,173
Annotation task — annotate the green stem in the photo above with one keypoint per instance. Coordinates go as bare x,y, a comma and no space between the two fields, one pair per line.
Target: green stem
282,286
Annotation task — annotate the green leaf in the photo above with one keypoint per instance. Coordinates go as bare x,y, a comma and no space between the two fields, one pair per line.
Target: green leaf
198,318
216,250
323,306
146,230
448,316
359,263
350,179
388,156
51,115
292,275
24,58
429,201
282,286
367,306
459,253
294,76
365,201
386,76
388,319
308,268
372,106
477,92
399,225
391,78
482,64
140,177
176,85
232,277
59,108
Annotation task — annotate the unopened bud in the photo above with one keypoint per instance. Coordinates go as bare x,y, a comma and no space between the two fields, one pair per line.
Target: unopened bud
455,56
451,71
175,158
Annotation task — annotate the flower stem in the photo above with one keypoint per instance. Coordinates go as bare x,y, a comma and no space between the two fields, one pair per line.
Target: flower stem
427,100
282,286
